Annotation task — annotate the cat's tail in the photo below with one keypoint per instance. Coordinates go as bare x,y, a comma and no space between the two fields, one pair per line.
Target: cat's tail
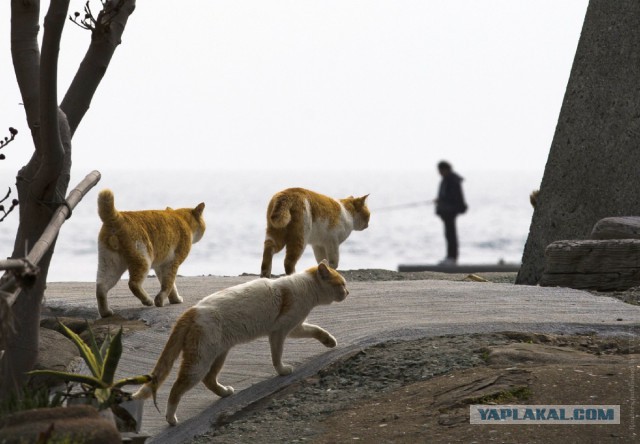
169,354
280,214
106,207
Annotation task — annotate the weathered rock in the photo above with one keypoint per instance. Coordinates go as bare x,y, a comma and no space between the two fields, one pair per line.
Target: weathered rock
100,327
55,352
75,424
486,387
594,264
591,171
627,227
110,325
537,354
76,325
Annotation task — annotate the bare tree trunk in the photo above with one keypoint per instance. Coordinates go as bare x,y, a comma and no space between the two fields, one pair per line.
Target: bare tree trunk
43,182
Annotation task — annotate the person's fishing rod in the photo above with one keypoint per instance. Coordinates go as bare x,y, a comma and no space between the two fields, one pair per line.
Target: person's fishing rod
405,205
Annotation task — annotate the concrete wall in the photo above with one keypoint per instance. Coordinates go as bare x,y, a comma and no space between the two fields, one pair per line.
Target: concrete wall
593,168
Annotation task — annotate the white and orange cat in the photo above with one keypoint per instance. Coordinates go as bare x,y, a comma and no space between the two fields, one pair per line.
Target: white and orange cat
297,217
140,240
263,307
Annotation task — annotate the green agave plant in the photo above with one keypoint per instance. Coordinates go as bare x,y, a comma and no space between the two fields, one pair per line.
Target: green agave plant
102,361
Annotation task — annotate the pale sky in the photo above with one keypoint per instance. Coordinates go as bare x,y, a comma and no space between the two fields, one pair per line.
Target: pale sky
325,84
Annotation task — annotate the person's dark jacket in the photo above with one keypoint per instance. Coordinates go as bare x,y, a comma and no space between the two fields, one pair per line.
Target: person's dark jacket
450,196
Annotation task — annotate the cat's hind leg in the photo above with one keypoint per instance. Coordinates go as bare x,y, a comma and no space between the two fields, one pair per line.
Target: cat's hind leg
295,248
167,276
305,330
194,367
110,268
273,243
211,379
138,271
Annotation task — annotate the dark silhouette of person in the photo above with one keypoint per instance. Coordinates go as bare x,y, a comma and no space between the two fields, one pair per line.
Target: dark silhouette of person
449,204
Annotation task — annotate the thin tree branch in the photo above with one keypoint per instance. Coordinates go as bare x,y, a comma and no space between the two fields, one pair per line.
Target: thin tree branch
52,149
105,38
3,211
7,140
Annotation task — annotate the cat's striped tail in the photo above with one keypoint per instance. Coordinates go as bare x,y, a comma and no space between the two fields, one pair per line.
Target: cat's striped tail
280,214
169,354
106,207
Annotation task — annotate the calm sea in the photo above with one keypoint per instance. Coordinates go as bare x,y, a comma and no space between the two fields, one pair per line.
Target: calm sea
403,227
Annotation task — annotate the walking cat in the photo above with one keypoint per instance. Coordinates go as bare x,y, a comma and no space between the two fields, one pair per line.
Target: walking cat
263,307
297,217
140,240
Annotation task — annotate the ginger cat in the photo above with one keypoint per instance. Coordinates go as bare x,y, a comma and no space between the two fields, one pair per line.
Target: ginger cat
140,240
262,307
297,217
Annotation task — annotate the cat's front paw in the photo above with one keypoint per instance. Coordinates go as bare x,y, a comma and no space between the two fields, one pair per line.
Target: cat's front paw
284,370
172,419
329,341
106,313
225,390
148,302
176,299
158,301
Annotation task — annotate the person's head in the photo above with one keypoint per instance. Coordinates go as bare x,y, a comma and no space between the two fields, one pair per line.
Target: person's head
444,168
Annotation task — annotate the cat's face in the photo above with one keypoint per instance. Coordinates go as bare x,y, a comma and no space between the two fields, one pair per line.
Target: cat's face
362,213
334,284
198,226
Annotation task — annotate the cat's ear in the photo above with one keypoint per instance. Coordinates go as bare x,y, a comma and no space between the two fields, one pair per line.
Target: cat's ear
199,209
363,200
323,269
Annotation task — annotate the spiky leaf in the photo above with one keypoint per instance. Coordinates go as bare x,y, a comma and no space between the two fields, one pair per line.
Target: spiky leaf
72,377
85,352
112,358
105,346
94,346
